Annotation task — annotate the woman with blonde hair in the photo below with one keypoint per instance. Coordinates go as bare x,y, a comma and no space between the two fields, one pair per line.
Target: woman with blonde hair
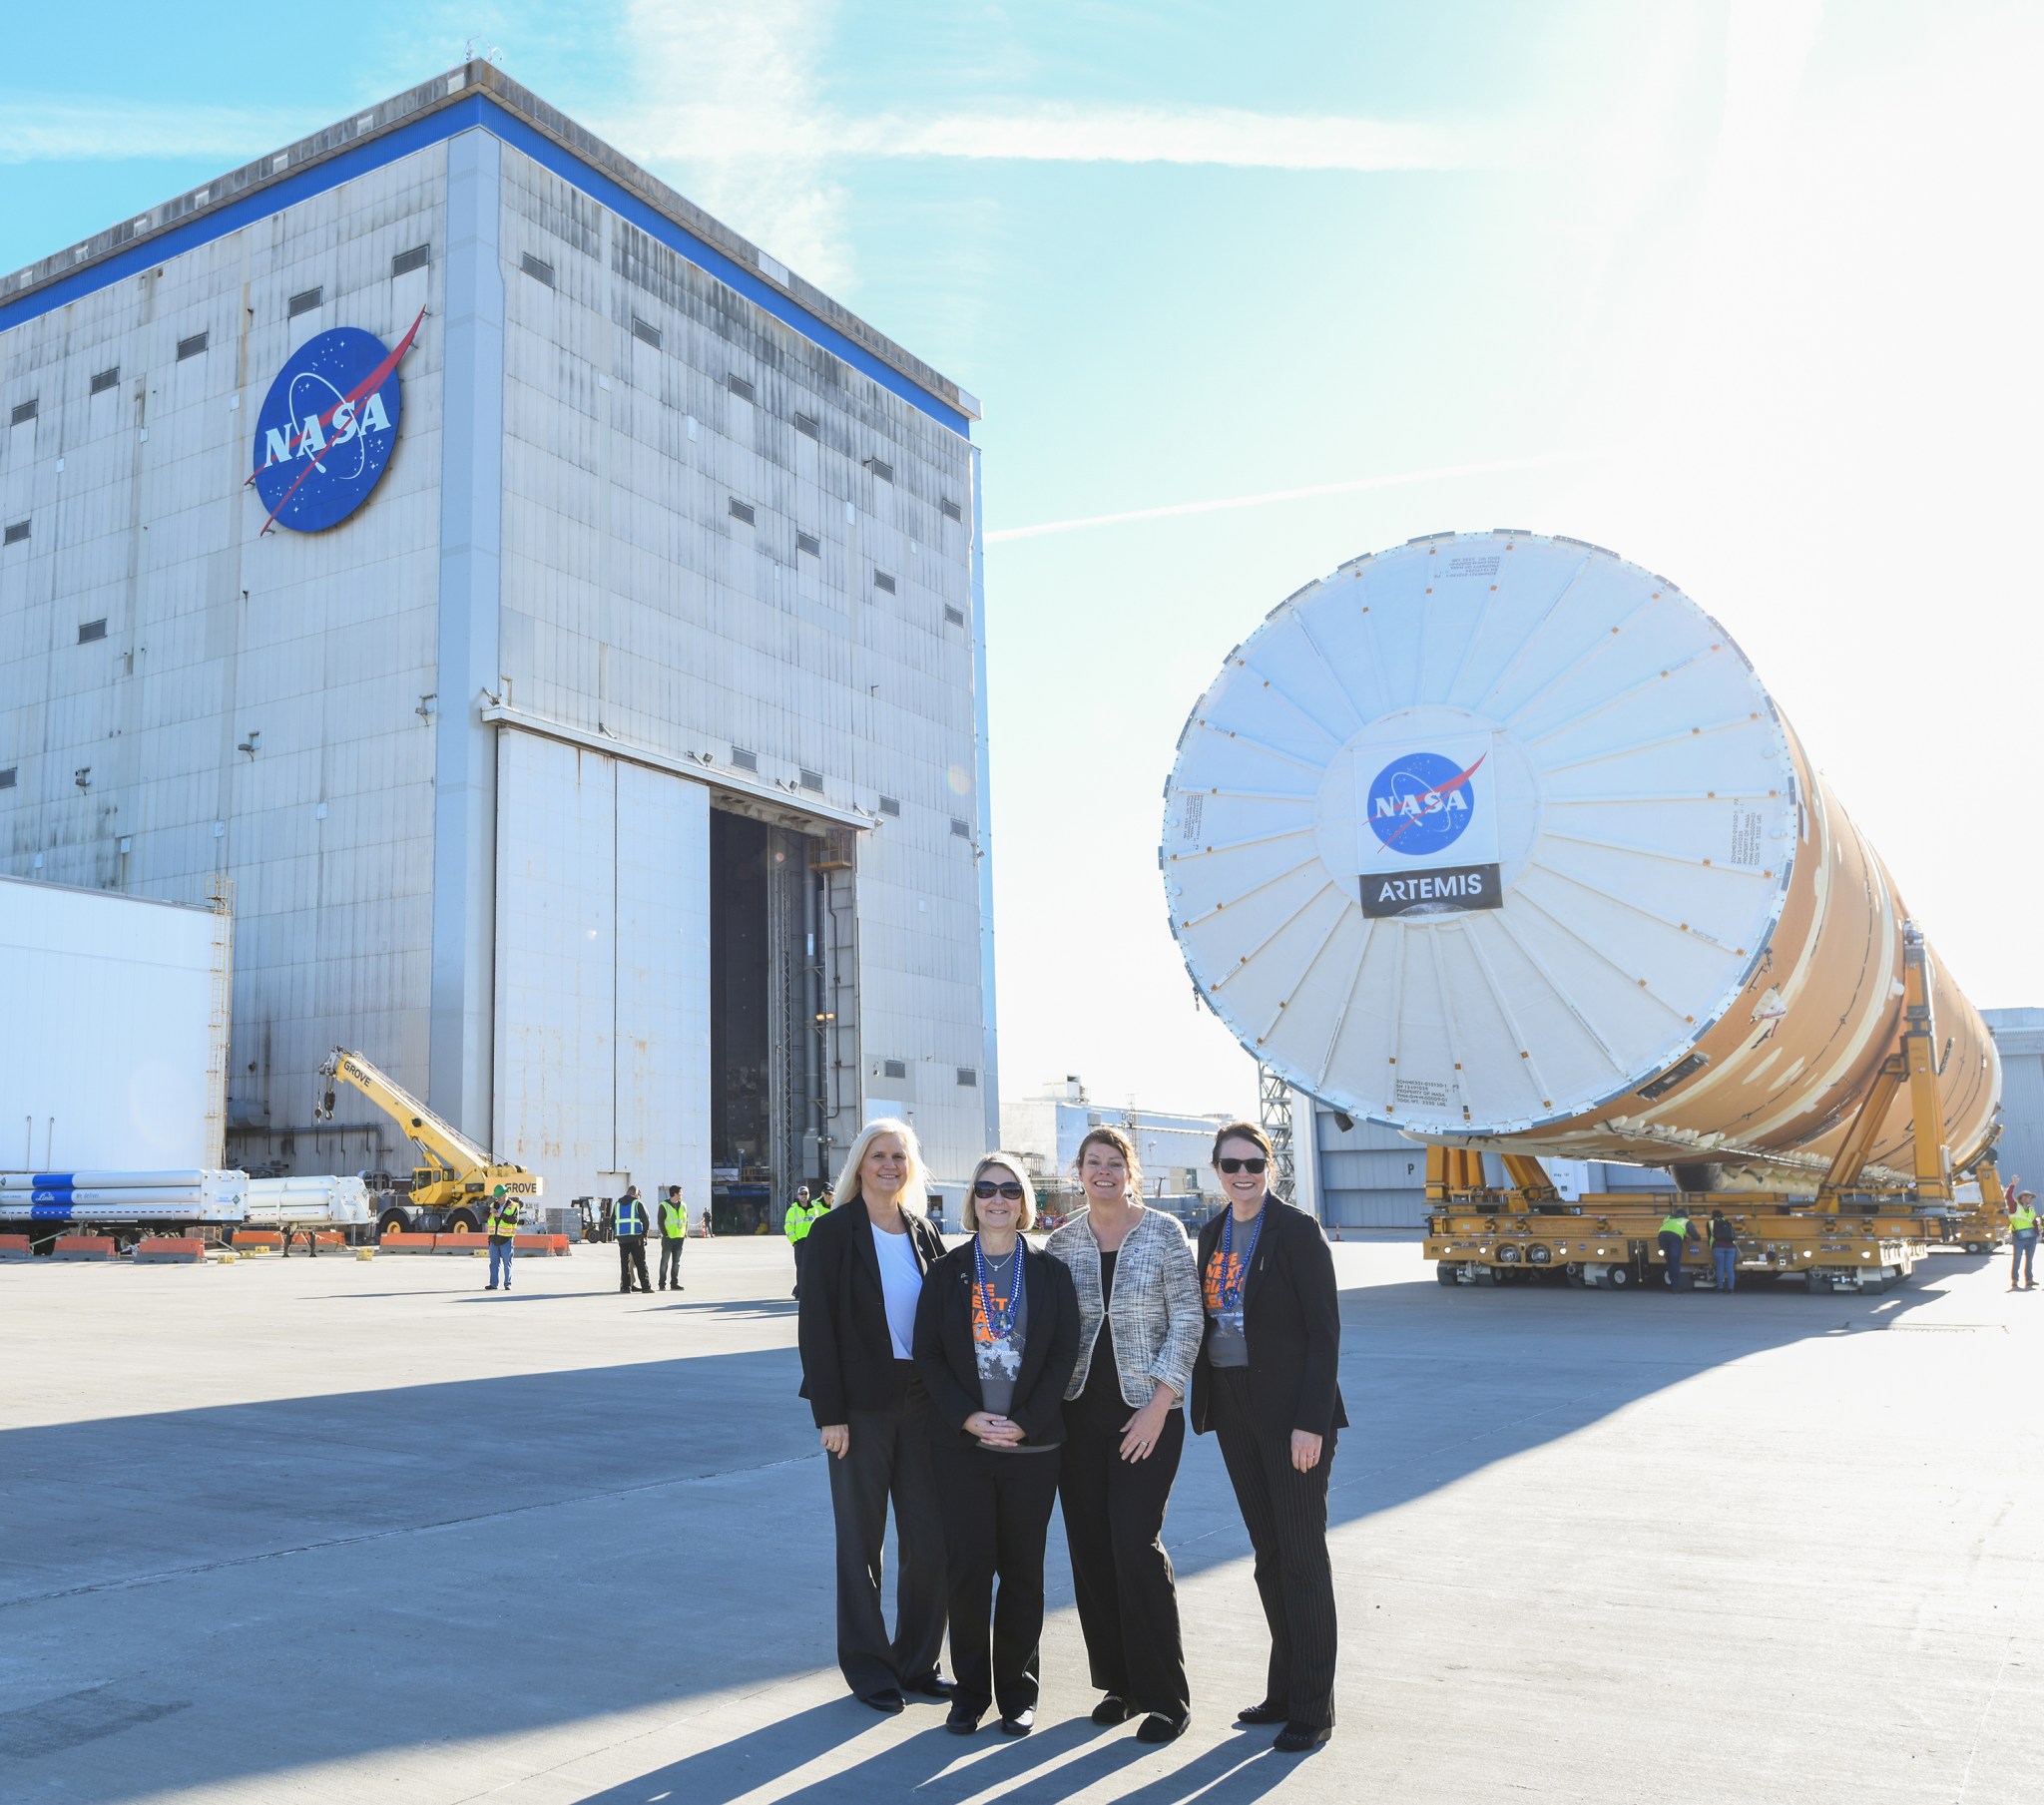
863,1278
996,1334
1140,1327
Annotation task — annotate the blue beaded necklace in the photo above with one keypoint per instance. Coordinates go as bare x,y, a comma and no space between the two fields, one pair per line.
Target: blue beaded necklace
1000,1320
1232,1278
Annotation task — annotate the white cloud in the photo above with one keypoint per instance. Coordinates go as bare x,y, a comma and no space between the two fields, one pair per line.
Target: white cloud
37,128
1351,485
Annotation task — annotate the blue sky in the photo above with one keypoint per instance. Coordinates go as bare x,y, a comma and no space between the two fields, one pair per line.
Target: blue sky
1742,288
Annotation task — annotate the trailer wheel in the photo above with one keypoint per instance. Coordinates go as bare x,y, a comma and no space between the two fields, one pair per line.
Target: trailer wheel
1619,1278
1445,1273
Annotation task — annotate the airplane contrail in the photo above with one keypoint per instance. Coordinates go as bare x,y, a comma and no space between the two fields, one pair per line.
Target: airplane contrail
1353,486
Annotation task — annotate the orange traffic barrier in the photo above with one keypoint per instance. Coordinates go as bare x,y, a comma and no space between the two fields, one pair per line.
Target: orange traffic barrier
257,1240
463,1243
395,1241
15,1247
541,1243
169,1251
85,1247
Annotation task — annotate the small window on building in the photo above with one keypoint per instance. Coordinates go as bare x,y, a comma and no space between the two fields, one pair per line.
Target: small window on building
740,387
89,631
106,379
405,262
953,616
539,271
881,469
742,510
951,509
890,806
810,543
305,301
807,424
16,532
894,1068
881,579
811,780
24,411
963,829
744,761
645,334
967,1074
7,777
193,347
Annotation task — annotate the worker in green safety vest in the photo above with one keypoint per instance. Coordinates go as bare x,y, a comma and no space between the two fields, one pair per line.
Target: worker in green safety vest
2022,1224
802,1215
1677,1232
501,1225
674,1236
631,1227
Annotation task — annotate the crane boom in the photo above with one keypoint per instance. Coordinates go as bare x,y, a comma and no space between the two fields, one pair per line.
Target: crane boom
442,1139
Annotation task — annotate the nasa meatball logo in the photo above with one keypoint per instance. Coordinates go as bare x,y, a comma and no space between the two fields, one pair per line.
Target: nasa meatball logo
1421,803
327,428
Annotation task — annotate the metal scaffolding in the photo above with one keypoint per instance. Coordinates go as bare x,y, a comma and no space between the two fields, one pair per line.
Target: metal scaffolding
1274,1100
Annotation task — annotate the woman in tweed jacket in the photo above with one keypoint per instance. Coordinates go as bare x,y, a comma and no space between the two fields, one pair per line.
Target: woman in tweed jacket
1140,1328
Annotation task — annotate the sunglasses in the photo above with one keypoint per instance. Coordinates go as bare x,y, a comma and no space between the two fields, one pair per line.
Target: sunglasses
1241,1166
1012,1193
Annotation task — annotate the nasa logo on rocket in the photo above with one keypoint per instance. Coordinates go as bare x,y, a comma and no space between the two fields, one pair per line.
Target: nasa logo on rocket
327,427
1420,803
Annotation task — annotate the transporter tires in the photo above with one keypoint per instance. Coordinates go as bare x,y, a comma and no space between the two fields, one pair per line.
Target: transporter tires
1619,1278
1444,1274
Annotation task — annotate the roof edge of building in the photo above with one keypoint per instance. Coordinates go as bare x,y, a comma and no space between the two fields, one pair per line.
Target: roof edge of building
441,91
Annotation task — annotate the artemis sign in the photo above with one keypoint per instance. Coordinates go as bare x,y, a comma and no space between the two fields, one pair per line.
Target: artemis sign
327,428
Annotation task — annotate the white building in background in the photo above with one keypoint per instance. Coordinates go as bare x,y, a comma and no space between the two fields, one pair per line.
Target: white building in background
612,769
1175,1151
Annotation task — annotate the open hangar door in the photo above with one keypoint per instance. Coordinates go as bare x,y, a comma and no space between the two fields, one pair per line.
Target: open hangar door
603,972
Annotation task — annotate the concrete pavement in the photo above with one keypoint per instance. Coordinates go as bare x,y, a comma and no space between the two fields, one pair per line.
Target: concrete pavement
333,1530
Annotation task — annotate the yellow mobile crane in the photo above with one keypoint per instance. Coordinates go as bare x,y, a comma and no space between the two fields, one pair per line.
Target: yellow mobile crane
453,1190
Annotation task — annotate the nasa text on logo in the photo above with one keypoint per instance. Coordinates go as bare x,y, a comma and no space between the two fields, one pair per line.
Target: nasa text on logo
1421,802
327,428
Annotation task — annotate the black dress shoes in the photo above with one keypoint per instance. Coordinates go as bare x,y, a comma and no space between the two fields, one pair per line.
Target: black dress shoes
1267,1712
1020,1724
887,1701
1158,1727
932,1686
1297,1739
1113,1709
962,1721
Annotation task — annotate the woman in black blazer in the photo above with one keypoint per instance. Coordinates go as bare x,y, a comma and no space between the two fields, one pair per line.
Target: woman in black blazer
996,1338
1266,1381
862,1278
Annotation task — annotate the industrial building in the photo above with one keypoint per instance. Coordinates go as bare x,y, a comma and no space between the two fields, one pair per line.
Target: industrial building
2019,1040
1174,1149
557,621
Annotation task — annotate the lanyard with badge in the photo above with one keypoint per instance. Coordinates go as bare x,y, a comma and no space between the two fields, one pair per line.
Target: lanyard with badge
1233,1277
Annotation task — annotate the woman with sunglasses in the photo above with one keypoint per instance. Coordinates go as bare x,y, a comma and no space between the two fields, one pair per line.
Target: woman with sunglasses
1266,1382
996,1334
1139,1331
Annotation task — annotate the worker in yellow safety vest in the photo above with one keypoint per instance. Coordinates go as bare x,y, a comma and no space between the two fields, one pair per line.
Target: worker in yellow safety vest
2022,1222
674,1235
1677,1232
501,1225
802,1215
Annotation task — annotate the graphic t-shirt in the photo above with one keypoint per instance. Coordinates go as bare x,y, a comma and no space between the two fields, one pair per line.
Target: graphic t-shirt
999,1357
1226,1346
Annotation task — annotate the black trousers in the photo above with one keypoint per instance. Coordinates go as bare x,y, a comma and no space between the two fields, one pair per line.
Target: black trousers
889,1458
996,1512
1286,1513
797,1246
671,1260
1125,1588
632,1260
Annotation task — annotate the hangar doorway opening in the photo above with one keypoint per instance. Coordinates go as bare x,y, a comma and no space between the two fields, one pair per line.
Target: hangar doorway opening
775,968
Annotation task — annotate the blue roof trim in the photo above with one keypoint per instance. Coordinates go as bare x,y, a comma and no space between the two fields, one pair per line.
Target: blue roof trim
468,114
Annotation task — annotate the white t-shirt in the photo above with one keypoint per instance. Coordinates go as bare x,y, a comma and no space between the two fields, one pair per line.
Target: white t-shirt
900,1286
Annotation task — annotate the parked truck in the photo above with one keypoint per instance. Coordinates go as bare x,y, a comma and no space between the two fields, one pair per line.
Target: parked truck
451,1189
